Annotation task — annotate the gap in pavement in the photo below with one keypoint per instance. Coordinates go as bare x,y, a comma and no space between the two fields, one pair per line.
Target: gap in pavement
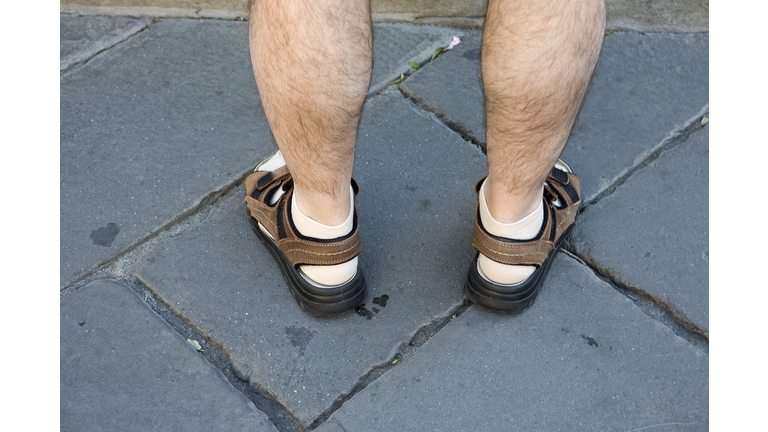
650,305
283,420
406,350
673,139
174,227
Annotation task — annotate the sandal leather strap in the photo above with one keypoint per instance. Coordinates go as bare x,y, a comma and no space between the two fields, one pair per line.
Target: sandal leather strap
299,249
510,251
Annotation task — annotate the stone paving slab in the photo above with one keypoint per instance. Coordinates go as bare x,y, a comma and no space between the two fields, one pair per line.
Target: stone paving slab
80,38
155,124
124,369
583,358
394,45
416,212
645,86
654,229
149,128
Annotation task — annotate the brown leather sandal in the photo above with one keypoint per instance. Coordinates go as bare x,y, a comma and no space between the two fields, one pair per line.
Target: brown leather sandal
291,249
559,221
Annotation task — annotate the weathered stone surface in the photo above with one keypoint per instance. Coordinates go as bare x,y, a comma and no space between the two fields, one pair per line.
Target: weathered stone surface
227,9
416,212
582,358
429,8
124,369
654,229
402,10
658,15
394,45
80,38
148,129
645,86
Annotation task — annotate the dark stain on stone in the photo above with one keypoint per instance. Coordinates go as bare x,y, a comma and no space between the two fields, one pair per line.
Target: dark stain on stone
375,310
564,330
590,341
104,236
81,323
647,254
381,301
363,312
473,54
425,203
411,188
299,337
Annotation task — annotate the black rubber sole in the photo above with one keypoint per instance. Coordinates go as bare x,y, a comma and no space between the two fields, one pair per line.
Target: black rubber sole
509,298
320,302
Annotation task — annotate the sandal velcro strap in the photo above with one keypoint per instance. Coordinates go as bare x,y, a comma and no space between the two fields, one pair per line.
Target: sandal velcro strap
276,219
261,180
510,251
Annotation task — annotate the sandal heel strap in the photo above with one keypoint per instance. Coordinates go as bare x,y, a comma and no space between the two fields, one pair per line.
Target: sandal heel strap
514,252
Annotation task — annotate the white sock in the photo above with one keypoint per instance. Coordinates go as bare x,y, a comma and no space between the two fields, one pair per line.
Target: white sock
274,162
316,275
325,275
524,229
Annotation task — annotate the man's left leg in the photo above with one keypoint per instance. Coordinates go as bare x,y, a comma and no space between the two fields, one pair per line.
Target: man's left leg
312,62
537,60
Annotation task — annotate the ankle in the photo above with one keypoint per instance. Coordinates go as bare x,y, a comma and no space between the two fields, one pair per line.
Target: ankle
329,210
312,227
507,207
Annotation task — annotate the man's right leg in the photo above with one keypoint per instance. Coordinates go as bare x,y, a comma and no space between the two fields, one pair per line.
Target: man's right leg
312,62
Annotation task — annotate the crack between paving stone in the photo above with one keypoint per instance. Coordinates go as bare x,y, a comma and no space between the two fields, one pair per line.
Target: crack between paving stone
672,140
444,118
421,336
184,221
213,350
651,304
79,65
465,134
341,426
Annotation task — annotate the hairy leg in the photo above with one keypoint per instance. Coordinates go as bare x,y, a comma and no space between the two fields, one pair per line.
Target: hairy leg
312,61
537,60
